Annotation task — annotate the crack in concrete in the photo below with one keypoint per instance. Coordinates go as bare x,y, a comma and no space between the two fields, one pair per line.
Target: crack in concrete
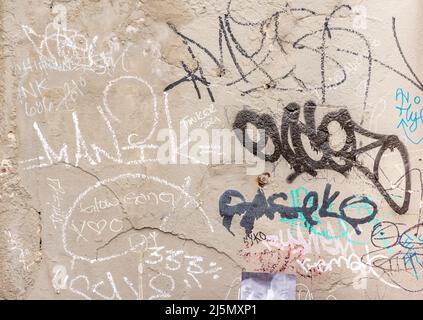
98,180
179,236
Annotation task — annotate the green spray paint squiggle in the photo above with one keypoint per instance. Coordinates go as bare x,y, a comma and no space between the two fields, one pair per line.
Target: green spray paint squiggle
344,228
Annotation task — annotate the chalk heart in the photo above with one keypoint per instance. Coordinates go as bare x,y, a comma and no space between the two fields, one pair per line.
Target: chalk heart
98,227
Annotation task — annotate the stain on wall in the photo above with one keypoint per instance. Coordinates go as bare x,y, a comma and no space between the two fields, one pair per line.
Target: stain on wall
113,185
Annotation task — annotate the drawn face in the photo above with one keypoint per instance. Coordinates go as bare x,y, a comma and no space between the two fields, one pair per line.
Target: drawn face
279,288
385,235
253,290
412,238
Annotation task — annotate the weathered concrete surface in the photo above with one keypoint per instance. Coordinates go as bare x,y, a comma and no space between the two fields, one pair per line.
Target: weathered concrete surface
86,87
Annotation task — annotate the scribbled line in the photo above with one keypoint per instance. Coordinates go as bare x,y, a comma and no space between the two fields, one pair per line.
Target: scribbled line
411,139
191,75
301,162
69,50
408,245
411,256
394,30
270,39
260,206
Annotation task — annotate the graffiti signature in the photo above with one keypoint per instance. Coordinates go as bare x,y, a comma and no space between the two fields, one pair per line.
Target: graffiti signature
409,120
261,206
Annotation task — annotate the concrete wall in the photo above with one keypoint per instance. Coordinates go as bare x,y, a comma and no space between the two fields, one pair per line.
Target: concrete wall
88,211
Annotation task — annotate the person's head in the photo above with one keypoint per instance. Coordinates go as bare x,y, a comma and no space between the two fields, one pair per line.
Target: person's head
280,287
253,289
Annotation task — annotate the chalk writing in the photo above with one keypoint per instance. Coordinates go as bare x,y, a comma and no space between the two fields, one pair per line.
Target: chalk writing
57,215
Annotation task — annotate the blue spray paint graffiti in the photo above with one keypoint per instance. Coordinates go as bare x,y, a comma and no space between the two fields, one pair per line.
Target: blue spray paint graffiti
309,209
409,120
411,256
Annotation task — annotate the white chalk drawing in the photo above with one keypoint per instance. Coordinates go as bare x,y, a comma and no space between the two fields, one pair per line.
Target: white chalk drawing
68,223
55,79
115,82
83,148
57,216
176,269
304,293
60,278
25,257
63,49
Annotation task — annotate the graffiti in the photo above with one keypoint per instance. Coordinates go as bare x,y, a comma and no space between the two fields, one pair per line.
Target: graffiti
57,216
411,257
77,220
406,255
304,293
96,227
60,278
205,117
170,268
254,237
293,256
131,198
311,242
261,206
66,50
326,232
192,77
409,120
173,260
27,259
352,262
301,162
35,103
124,211
276,260
272,46
91,152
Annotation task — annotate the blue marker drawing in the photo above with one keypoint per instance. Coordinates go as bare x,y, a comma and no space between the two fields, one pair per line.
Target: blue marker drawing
409,120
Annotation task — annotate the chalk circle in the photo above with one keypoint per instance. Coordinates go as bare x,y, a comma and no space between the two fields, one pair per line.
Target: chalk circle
113,84
146,180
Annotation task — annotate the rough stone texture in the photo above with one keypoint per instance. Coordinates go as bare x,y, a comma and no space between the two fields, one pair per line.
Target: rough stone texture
83,216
